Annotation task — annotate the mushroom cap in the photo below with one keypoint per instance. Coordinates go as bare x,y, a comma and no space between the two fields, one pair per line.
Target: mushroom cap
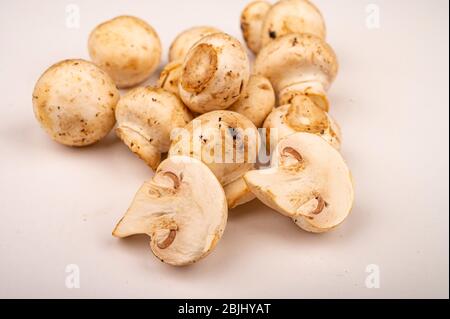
186,40
301,63
308,182
127,48
302,115
74,102
257,100
252,20
215,73
170,77
238,193
146,118
227,142
183,209
292,16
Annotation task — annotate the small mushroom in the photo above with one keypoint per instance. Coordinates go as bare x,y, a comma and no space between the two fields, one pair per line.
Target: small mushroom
74,102
215,73
127,48
302,115
308,182
238,193
170,77
186,40
146,118
183,209
257,100
227,142
262,23
252,20
299,64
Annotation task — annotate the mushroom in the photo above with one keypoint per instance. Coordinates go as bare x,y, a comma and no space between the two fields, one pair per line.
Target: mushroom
238,193
302,115
127,48
299,64
257,100
252,20
74,102
308,181
146,118
227,142
183,209
170,77
215,72
262,23
186,40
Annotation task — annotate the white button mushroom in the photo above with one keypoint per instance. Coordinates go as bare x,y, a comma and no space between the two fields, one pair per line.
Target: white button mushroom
215,73
227,142
169,78
183,209
186,40
238,193
299,64
74,102
262,23
308,182
257,100
127,48
252,21
146,118
302,115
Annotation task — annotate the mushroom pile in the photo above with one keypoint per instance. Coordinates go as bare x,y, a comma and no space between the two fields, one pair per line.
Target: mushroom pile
204,126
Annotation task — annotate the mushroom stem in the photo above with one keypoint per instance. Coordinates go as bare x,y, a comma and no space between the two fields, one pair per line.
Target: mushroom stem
289,151
169,240
174,178
320,205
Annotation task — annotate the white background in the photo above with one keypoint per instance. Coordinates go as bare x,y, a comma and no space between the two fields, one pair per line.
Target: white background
59,205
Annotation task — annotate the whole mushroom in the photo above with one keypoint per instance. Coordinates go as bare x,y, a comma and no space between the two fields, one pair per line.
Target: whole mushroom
183,209
257,100
215,72
227,142
74,102
308,182
186,40
127,48
146,118
301,115
262,23
170,76
299,64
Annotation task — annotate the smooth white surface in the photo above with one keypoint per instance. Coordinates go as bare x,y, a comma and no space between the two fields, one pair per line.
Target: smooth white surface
59,205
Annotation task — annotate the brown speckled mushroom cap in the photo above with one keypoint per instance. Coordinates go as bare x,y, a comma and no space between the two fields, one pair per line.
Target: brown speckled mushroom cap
299,64
302,115
127,48
252,21
146,118
308,182
186,40
74,102
183,209
215,73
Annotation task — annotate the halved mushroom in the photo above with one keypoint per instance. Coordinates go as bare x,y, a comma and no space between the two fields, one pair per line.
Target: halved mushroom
308,182
257,100
299,64
186,40
215,73
183,209
262,22
302,115
146,118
